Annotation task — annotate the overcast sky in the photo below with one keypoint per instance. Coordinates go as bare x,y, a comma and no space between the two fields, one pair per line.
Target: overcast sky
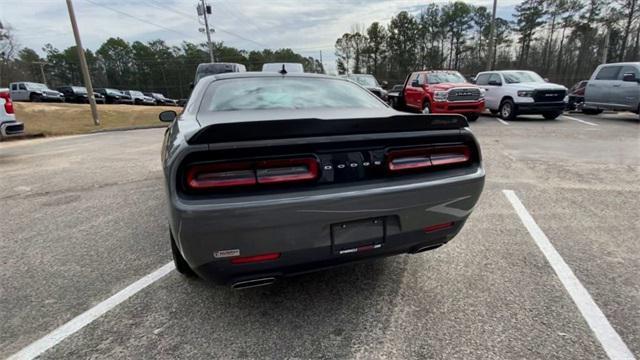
303,25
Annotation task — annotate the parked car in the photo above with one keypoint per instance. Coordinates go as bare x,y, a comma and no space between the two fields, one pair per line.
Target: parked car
613,86
78,94
206,69
139,98
370,83
9,126
575,99
161,99
394,94
319,166
277,67
34,92
511,93
442,92
114,96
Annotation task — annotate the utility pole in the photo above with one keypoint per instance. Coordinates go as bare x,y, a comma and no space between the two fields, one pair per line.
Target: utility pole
492,35
321,63
42,64
83,65
605,48
206,10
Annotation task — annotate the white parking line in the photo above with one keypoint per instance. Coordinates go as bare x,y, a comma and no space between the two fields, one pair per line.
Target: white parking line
56,336
579,120
502,121
608,337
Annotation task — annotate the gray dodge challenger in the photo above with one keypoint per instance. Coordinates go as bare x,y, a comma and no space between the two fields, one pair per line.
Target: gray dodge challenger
269,175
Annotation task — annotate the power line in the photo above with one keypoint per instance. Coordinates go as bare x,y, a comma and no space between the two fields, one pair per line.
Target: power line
139,19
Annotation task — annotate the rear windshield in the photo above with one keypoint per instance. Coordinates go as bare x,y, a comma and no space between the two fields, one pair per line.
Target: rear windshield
285,93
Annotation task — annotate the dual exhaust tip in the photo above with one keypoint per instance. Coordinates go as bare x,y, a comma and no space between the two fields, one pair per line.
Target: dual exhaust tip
246,284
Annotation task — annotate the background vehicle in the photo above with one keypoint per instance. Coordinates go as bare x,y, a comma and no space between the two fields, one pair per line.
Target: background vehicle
510,93
29,91
161,99
613,87
139,98
277,67
312,160
443,92
370,83
78,94
206,69
394,94
575,99
114,96
8,124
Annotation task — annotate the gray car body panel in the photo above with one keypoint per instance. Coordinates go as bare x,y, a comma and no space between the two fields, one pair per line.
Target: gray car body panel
613,94
300,220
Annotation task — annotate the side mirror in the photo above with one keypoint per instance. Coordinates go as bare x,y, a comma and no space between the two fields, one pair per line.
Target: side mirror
168,116
415,83
472,79
546,79
631,77
495,83
385,84
191,85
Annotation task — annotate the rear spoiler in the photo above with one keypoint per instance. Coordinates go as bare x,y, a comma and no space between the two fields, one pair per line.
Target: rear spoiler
296,128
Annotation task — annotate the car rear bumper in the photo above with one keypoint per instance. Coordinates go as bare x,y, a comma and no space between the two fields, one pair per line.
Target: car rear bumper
11,128
460,107
540,107
302,229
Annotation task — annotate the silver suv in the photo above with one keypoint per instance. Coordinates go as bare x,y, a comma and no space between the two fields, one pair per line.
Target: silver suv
613,87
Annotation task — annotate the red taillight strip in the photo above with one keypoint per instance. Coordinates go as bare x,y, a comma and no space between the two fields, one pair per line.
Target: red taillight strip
211,176
8,105
255,258
438,227
418,158
287,170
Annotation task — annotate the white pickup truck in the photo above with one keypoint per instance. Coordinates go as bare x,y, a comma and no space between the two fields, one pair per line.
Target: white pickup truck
510,93
613,87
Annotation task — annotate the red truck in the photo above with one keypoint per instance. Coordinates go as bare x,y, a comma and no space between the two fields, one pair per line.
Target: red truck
443,91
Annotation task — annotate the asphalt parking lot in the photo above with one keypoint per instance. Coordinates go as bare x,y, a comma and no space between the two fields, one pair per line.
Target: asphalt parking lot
83,218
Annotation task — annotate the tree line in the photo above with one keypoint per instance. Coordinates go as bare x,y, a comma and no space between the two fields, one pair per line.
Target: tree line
151,66
563,40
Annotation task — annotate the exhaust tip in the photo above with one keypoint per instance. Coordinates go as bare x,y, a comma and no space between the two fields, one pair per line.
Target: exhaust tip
246,284
426,248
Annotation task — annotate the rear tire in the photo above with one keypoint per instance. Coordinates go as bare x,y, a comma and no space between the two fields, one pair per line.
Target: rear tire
426,108
507,110
35,98
472,117
181,264
592,111
552,115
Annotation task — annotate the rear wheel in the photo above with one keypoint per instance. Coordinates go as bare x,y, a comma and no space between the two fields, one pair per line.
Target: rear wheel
426,108
35,98
552,115
472,116
507,110
592,111
180,263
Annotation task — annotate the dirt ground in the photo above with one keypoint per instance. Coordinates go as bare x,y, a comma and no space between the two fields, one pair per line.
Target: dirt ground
66,119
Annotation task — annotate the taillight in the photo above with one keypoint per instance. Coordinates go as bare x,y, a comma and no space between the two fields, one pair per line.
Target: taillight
236,174
419,158
438,227
8,105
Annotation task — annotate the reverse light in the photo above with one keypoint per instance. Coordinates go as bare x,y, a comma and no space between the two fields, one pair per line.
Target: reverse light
287,170
440,96
525,93
255,258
